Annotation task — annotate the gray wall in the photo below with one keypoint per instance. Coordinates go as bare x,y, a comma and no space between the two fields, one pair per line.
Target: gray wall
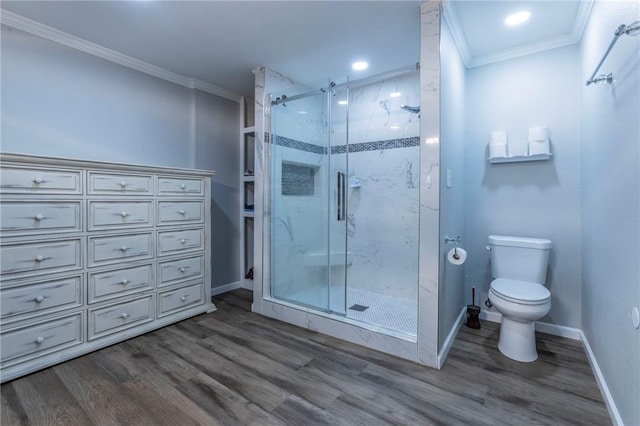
61,102
533,199
217,147
452,204
611,204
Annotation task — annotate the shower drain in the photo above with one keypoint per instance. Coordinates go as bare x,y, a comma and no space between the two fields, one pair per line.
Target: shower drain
359,308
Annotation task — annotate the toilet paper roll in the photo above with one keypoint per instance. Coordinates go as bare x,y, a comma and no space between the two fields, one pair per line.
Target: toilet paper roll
539,133
458,252
518,149
498,138
539,147
497,150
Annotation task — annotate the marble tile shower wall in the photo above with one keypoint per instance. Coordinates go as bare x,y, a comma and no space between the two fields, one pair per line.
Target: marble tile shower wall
382,222
384,155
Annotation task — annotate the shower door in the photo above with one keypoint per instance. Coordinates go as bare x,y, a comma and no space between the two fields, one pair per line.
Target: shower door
308,202
344,200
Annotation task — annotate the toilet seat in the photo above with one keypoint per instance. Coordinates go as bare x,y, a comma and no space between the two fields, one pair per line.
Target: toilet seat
522,292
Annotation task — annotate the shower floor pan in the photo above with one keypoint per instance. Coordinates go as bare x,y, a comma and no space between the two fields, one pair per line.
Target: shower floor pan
382,310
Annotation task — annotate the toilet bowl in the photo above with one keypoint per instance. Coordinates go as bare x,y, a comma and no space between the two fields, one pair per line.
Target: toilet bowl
519,266
520,303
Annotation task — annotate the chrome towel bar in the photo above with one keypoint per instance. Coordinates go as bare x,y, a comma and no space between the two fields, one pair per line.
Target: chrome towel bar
631,29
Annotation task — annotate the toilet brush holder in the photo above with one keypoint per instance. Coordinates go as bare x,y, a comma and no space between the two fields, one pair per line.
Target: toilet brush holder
473,316
473,311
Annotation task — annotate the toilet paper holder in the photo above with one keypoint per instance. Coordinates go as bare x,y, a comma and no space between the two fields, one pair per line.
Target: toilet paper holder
456,240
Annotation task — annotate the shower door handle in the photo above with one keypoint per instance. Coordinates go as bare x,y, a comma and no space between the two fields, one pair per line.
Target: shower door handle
342,201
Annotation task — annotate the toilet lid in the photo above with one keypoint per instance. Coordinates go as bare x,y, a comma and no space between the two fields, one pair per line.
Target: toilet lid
520,291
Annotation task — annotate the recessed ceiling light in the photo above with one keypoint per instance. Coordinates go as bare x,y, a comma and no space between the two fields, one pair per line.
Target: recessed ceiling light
302,112
342,102
517,18
394,127
360,65
395,95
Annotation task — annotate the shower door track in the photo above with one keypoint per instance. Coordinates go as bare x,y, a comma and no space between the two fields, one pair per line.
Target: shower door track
351,84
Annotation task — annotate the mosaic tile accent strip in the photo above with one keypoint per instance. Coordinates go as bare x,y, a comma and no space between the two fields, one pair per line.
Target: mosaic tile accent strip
377,145
297,179
299,145
342,149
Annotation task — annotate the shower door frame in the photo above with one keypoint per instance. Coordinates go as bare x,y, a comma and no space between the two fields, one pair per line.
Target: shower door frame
333,214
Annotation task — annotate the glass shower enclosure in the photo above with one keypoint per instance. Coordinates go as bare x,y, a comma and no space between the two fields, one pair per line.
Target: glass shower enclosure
344,204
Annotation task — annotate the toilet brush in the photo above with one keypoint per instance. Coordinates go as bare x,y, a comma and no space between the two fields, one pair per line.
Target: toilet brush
473,311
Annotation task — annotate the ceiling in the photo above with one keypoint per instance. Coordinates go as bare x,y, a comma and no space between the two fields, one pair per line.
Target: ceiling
220,42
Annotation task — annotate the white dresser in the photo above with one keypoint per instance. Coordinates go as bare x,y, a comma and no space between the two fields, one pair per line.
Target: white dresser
95,253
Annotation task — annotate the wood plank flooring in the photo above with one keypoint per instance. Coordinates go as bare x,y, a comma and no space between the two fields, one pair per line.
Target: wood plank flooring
233,367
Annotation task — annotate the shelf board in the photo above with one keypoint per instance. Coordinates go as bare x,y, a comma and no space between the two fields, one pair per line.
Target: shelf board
250,178
247,130
519,159
246,213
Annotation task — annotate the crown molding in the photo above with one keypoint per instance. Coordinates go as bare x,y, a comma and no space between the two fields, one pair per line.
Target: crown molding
453,22
582,16
33,27
523,50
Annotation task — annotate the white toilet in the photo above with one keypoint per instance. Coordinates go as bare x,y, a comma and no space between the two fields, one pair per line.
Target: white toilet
519,266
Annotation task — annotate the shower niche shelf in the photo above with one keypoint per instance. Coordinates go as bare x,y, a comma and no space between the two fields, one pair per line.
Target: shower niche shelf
247,180
519,158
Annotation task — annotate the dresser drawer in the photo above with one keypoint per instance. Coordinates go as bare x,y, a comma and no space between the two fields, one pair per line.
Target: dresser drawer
22,180
119,282
35,216
115,183
41,297
112,248
179,299
114,318
173,242
176,212
24,343
180,186
40,257
119,214
173,271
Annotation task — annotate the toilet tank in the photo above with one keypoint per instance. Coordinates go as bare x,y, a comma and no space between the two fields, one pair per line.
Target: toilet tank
519,258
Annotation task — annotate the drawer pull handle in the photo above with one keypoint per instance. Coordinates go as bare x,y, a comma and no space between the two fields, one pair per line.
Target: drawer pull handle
124,248
123,184
124,315
182,212
39,258
39,299
183,298
182,241
124,282
37,180
39,339
183,186
124,214
183,269
38,217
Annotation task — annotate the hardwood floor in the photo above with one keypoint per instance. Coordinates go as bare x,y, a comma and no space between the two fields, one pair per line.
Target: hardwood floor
233,367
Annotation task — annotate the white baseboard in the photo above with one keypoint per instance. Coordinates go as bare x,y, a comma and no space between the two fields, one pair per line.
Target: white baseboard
602,384
446,346
491,316
247,284
226,287
542,327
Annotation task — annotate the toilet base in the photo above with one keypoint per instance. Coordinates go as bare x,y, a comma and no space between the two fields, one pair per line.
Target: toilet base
518,340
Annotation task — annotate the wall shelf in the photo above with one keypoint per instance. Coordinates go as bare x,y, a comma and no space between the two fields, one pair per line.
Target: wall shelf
520,159
247,184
